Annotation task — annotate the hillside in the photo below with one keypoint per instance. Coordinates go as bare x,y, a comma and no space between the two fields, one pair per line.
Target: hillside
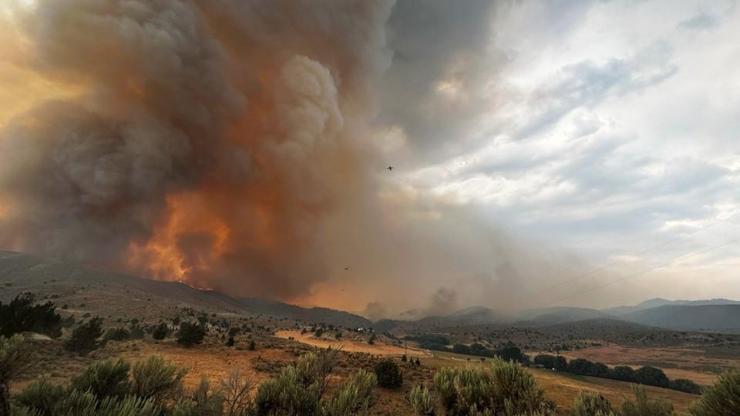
118,295
558,315
717,318
657,302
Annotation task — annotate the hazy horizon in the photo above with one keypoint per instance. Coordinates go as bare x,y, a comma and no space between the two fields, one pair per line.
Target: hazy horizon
379,156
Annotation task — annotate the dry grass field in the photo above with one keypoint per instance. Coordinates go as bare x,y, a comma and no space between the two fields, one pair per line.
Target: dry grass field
690,363
215,361
351,345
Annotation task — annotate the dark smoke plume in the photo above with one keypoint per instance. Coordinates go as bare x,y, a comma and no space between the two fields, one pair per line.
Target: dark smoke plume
232,145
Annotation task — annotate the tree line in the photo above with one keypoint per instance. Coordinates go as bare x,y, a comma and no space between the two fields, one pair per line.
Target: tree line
647,375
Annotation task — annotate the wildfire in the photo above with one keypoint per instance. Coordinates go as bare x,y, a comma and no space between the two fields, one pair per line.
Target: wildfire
172,253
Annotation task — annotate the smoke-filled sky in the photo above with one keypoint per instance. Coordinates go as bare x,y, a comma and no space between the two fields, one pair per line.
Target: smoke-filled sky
543,153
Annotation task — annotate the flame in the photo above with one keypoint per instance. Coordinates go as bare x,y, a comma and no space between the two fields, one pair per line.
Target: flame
163,256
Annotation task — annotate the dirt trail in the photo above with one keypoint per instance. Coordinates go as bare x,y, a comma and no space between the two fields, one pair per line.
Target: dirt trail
352,346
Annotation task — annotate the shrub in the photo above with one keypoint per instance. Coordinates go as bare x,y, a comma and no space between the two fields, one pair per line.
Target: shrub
201,402
642,406
236,389
41,397
85,404
104,379
190,334
511,352
353,398
388,374
154,379
85,337
14,359
623,373
581,366
502,388
591,404
651,376
421,401
252,345
230,342
551,362
287,394
136,331
685,385
722,398
160,331
22,315
299,388
117,334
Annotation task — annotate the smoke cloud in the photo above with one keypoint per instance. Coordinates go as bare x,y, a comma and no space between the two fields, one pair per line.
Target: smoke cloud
234,145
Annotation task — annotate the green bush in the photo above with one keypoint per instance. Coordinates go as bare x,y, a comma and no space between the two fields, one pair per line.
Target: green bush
42,397
298,390
161,331
354,397
623,373
190,334
642,406
421,401
651,376
388,374
201,402
503,388
287,395
22,315
85,404
117,334
14,359
685,385
722,398
551,362
104,379
592,404
155,379
85,337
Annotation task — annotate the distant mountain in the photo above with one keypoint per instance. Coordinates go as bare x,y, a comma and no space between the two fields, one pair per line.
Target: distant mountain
690,317
475,315
316,314
71,284
559,315
657,302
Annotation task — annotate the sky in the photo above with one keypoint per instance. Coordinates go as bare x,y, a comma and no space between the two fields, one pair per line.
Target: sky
544,153
608,129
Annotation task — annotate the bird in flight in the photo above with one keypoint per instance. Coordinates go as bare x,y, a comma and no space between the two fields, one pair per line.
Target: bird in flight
390,168
346,268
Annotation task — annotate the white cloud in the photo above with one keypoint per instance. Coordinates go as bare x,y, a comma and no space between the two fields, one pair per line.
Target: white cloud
616,136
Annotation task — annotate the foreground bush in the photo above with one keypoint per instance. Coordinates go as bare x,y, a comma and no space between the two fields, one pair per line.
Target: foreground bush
421,401
723,398
14,358
643,406
42,397
299,389
78,403
591,404
503,388
354,397
104,379
155,379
